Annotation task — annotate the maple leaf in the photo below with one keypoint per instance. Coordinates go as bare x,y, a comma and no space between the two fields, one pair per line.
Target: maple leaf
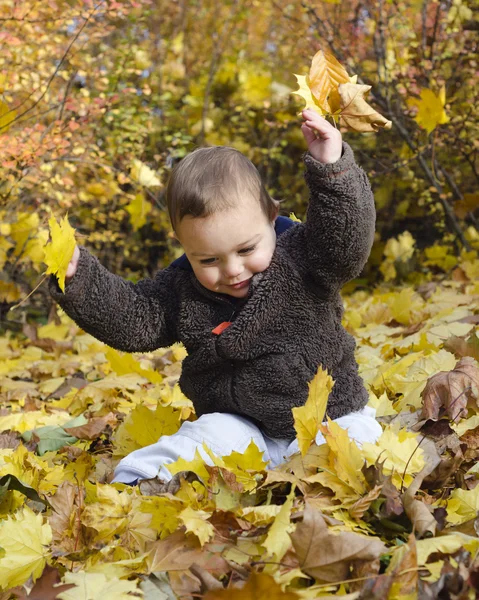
431,111
46,587
278,539
123,364
356,113
138,208
143,427
308,418
452,391
325,75
97,586
25,539
304,92
259,586
59,251
463,505
404,568
143,174
111,514
400,453
196,522
7,115
326,555
340,468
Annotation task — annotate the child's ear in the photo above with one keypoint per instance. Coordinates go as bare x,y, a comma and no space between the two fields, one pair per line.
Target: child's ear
275,211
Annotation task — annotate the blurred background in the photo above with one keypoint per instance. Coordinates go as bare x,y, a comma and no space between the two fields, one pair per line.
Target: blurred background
99,100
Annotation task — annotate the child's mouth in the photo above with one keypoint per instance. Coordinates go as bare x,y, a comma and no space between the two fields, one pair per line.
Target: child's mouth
240,285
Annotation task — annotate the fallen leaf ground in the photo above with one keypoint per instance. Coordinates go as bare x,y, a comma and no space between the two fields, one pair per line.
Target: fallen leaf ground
395,519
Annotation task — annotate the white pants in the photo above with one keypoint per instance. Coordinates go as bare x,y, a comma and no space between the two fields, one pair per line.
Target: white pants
224,433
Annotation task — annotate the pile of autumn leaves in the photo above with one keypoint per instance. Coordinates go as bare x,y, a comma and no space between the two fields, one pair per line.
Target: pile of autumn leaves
390,520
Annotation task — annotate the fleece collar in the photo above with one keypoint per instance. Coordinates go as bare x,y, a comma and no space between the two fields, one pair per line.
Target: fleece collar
280,226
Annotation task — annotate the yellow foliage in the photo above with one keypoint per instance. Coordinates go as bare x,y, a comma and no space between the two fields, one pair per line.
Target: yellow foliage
59,251
139,208
431,111
196,522
400,453
143,427
462,505
308,418
143,175
96,586
25,540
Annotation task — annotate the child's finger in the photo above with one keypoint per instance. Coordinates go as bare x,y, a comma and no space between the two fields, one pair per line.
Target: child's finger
317,122
308,133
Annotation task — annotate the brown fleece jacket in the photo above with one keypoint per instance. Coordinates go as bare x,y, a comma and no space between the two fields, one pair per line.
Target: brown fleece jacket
260,366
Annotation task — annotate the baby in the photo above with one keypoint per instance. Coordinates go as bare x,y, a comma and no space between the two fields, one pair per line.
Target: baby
255,300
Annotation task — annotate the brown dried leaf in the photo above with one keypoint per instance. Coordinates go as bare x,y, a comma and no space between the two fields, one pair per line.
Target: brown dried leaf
451,391
259,586
157,487
419,515
461,347
178,552
43,588
93,428
356,113
10,439
404,570
328,556
358,509
65,518
325,75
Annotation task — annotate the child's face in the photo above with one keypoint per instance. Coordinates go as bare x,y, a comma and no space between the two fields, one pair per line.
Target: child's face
227,248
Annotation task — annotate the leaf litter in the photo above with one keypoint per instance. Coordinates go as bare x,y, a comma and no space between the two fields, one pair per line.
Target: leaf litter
394,519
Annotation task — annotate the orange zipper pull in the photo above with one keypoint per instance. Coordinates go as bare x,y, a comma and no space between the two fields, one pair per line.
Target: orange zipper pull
221,327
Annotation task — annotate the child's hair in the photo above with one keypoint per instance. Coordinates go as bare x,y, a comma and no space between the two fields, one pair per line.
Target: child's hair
211,179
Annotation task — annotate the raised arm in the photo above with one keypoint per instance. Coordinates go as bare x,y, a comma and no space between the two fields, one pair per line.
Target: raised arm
341,216
130,317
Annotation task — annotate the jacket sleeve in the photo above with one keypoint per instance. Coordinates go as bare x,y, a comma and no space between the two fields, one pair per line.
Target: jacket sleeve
130,317
340,219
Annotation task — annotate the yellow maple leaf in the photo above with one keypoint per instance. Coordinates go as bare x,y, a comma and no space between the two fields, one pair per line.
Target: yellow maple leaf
123,364
345,458
110,515
143,427
250,460
7,115
382,405
400,453
197,465
143,174
463,505
309,417
138,208
59,251
447,544
278,541
304,92
196,522
24,538
431,111
97,586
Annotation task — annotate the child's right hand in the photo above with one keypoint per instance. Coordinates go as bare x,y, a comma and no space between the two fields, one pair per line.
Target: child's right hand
73,265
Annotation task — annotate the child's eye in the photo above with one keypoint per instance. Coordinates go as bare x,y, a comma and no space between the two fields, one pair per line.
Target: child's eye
247,250
207,261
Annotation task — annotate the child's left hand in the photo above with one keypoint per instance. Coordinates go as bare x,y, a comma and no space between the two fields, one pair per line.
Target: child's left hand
328,145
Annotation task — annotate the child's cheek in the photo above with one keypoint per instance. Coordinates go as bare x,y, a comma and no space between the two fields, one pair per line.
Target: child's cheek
260,262
208,278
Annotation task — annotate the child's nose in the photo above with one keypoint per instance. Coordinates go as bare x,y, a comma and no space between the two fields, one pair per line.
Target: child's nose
233,268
